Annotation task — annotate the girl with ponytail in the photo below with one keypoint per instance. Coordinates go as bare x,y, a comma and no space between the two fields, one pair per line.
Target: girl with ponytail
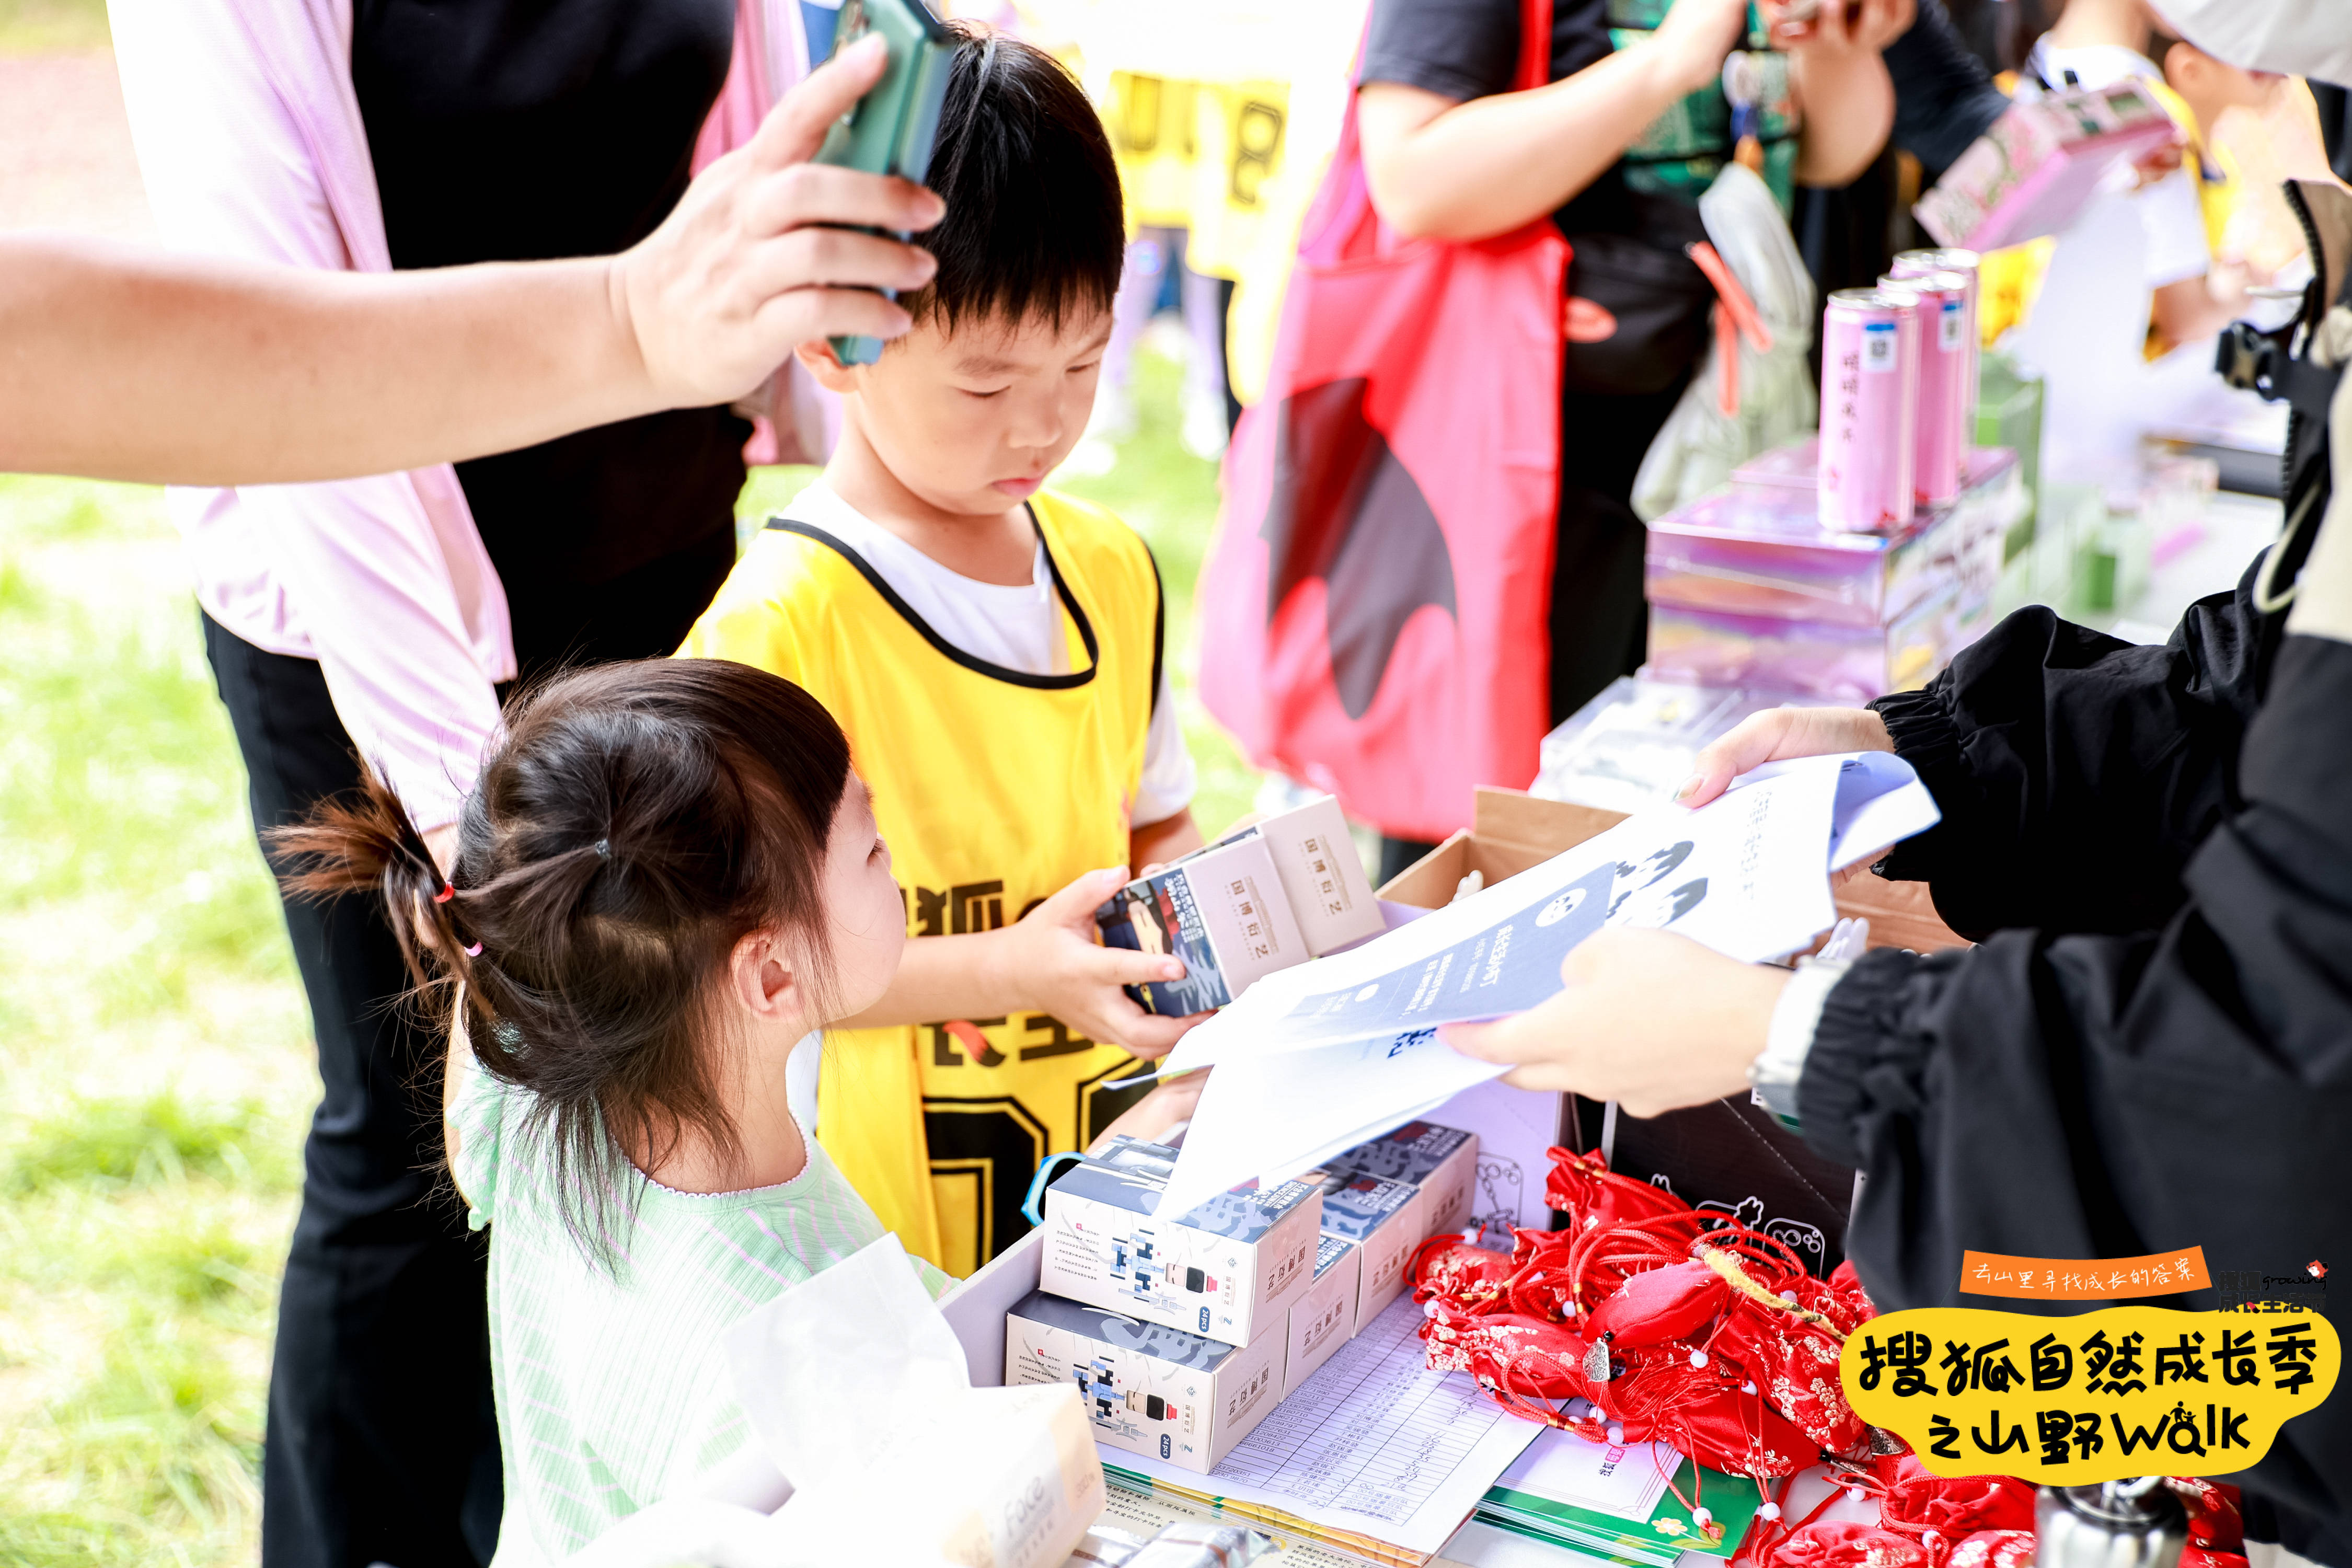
666,876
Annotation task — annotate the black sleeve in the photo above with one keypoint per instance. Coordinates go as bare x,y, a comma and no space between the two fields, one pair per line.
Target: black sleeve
2089,1096
2075,773
1459,48
1943,98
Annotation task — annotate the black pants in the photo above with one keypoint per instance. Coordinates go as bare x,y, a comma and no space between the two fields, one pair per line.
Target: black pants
381,1444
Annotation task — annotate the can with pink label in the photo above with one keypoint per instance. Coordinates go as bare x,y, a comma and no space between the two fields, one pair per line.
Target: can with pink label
1913,264
1870,355
1940,440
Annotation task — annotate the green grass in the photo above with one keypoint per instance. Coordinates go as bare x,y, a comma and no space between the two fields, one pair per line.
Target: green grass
37,27
155,1067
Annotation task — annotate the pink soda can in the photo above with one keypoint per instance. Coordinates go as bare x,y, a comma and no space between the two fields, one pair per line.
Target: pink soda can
1870,355
1914,263
1940,445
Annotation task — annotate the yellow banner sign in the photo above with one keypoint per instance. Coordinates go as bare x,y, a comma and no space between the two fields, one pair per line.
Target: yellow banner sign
2106,1396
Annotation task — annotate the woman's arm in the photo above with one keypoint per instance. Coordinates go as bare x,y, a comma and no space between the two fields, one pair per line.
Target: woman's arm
134,363
1843,88
1441,169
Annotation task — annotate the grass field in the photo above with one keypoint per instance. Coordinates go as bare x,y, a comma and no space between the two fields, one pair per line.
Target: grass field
155,1071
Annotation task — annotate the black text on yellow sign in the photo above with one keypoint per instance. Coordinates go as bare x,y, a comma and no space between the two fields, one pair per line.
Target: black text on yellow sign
2130,1391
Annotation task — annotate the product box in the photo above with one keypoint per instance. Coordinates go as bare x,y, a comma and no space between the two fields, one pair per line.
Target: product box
1229,1269
1321,874
2032,173
1380,1217
1223,911
1147,1388
1441,1161
1323,1318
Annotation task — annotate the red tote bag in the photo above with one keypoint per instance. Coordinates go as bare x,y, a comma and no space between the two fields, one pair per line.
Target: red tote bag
1374,607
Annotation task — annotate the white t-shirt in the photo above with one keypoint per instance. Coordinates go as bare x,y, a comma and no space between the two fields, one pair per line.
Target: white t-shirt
2169,210
1016,627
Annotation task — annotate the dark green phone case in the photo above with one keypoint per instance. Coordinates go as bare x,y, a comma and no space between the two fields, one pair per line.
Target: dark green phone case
891,129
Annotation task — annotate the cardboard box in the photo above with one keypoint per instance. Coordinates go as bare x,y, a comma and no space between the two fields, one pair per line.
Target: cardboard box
1323,1318
1380,1217
1442,1162
1223,911
1228,1270
1512,832
1146,1388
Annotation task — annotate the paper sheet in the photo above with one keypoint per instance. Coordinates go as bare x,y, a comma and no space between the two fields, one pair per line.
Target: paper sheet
1314,1059
1374,1443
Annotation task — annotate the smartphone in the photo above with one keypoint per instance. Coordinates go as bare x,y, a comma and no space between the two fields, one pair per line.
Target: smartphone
890,129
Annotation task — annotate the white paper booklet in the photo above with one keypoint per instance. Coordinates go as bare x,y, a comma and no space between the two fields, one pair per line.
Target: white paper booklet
1315,1060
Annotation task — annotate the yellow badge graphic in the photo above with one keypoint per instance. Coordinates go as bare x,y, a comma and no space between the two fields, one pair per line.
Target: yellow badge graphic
2129,1391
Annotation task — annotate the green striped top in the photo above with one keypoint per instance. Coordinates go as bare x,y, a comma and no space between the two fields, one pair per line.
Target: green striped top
613,1389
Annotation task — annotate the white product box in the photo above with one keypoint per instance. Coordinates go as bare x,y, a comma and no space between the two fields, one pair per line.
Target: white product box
1321,874
1228,1270
1323,1318
1379,1217
1147,1388
1222,910
1442,1161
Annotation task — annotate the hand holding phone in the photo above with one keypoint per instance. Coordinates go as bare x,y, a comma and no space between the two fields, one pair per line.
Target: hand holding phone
892,129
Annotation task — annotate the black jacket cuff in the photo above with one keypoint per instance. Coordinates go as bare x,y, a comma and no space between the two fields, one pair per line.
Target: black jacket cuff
1859,1039
1921,726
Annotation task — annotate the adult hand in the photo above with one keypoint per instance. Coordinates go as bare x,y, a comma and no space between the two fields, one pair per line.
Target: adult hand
1695,36
757,258
1776,735
1060,967
1837,28
1647,1018
1157,1114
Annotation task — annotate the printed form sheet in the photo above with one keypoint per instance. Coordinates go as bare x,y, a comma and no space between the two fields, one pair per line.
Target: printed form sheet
1374,1443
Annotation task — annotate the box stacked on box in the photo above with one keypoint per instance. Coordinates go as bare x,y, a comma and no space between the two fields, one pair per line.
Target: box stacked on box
1182,1332
1748,588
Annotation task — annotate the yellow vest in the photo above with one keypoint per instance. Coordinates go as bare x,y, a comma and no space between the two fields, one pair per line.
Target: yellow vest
994,789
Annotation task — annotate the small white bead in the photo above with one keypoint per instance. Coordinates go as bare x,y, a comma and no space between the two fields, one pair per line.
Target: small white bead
1616,1434
1701,1517
1768,1511
1855,1494
1748,1387
1698,1358
1788,1295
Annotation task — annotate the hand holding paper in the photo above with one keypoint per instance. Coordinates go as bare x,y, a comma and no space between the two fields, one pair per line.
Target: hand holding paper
1316,1059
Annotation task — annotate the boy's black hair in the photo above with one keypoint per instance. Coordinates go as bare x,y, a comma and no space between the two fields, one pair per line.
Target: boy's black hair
1036,224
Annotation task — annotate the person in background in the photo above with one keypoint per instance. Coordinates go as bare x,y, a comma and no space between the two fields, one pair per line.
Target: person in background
993,651
1616,149
2204,89
127,363
2098,43
383,618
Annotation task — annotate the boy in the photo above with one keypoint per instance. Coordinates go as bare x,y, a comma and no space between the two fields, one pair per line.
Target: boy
995,653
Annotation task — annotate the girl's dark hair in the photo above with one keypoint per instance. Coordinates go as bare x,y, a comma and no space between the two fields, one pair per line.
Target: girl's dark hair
635,821
1035,225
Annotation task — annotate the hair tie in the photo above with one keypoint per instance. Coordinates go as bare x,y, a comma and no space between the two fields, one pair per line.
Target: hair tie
445,894
473,950
604,850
